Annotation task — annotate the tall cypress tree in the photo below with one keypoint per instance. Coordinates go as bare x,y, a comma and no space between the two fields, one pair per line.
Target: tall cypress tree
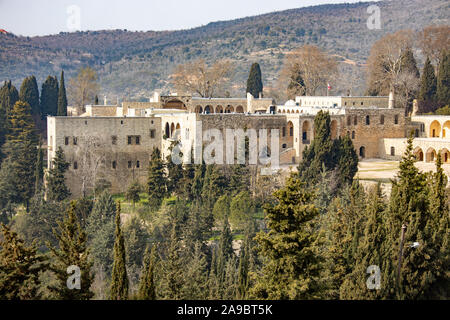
427,90
443,80
49,97
72,251
56,181
156,182
62,98
254,81
8,97
408,63
29,93
39,171
119,278
147,289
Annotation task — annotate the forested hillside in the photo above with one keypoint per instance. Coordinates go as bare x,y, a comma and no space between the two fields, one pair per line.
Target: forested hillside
132,64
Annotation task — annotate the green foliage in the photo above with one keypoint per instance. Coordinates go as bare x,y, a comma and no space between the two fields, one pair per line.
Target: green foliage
119,277
20,266
254,81
241,209
133,193
56,181
39,170
49,97
147,290
222,208
8,97
62,98
156,184
72,251
443,79
427,90
29,93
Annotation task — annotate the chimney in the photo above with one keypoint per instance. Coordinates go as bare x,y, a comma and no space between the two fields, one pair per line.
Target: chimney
391,100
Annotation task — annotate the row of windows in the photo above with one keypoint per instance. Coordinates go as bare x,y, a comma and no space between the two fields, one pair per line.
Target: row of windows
114,165
355,120
130,139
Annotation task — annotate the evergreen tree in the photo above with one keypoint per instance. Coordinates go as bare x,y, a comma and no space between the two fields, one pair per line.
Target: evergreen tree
196,283
408,63
147,290
197,183
427,83
29,93
49,97
96,100
173,267
119,277
62,98
133,193
39,171
156,182
241,209
72,251
174,174
291,263
347,162
56,181
244,264
8,97
254,81
20,266
222,208
443,79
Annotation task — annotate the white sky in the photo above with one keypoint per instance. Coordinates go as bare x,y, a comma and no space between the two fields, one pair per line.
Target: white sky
42,17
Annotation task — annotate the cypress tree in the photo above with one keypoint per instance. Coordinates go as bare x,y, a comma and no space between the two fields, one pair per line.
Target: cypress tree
173,266
196,281
292,268
254,81
29,93
119,278
62,98
133,193
39,171
147,289
244,261
72,251
347,162
8,97
56,181
427,90
408,63
20,266
49,97
443,79
156,182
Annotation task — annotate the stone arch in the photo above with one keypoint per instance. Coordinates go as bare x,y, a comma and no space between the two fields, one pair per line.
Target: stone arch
296,111
174,104
167,130
219,109
334,129
431,155
306,132
445,155
198,109
289,111
239,109
435,129
418,153
229,109
446,129
209,109
362,152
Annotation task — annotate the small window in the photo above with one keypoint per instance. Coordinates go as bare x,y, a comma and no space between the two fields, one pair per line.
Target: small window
75,165
367,120
291,131
362,103
353,134
284,131
66,141
396,119
152,133
382,119
349,120
355,120
392,151
114,139
85,122
345,103
75,141
121,121
129,165
138,139
138,165
129,139
152,121
114,164
284,145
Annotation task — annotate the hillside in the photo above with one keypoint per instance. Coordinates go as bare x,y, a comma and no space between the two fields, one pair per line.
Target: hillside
132,64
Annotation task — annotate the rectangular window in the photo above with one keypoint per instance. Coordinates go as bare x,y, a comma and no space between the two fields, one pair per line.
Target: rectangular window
66,141
75,141
114,139
138,139
129,139
138,164
152,133
114,165
75,165
129,164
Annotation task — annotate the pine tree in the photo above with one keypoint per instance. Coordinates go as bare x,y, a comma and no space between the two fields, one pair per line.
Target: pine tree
156,184
29,93
292,265
133,193
427,83
20,266
347,162
196,281
147,290
119,278
56,182
72,251
39,171
8,97
62,98
254,81
443,79
408,63
244,265
49,97
173,267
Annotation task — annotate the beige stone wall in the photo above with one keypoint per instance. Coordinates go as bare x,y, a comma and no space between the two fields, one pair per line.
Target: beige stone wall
93,150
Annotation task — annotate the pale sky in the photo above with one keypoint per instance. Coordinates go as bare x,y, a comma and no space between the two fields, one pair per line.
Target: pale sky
43,17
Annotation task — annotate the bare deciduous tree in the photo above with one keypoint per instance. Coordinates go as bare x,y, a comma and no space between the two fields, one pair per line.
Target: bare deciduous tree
433,40
407,85
84,87
198,77
307,69
385,60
